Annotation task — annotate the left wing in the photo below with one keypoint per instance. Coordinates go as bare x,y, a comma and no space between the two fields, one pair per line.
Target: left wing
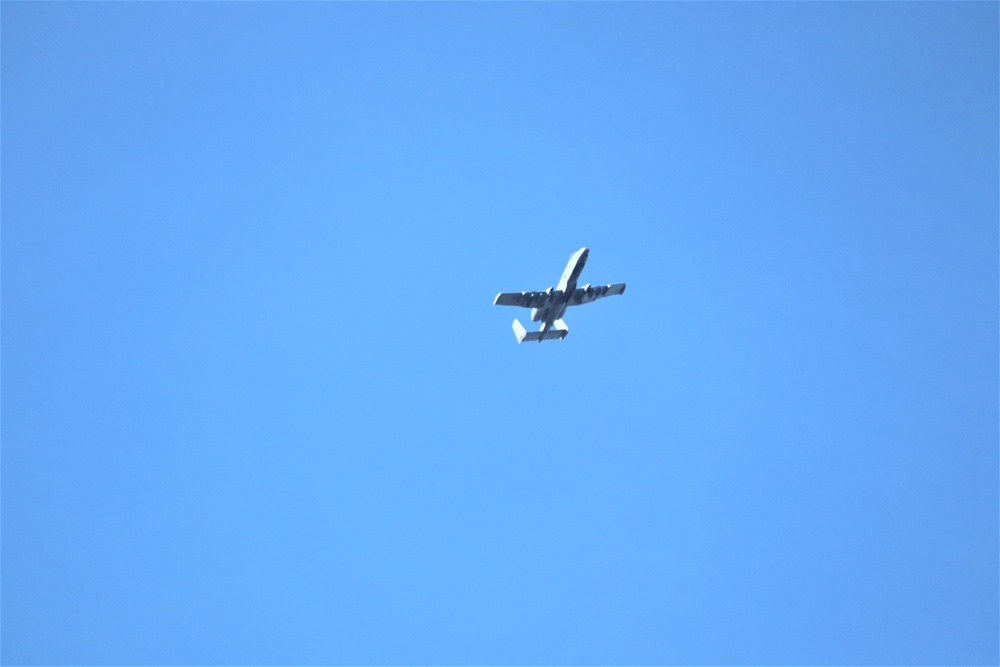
589,293
523,299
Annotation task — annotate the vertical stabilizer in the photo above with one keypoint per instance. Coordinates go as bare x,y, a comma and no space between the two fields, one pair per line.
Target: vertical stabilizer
519,331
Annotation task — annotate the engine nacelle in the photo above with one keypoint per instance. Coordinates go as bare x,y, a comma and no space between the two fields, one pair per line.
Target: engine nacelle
536,314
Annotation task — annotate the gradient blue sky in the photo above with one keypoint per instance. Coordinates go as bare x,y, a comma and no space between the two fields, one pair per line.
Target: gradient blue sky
258,407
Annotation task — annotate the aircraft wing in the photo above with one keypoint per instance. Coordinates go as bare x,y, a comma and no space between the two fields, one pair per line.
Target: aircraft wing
523,299
593,293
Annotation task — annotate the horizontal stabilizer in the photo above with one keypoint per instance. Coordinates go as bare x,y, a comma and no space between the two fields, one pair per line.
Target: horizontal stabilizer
551,334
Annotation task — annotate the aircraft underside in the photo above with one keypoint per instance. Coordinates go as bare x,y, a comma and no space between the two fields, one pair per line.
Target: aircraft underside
548,307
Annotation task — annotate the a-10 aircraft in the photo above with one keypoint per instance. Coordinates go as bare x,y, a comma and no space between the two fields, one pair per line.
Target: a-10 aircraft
549,306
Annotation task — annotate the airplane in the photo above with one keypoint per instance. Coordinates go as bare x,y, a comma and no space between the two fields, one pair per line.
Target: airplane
549,306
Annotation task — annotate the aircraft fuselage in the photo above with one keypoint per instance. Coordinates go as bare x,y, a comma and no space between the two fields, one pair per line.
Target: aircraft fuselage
560,301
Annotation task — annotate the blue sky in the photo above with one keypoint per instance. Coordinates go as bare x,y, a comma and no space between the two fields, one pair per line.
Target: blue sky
258,407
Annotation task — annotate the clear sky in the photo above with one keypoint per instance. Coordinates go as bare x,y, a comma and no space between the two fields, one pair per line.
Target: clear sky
258,407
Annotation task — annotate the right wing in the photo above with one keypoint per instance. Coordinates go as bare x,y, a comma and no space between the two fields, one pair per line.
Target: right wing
592,293
523,299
